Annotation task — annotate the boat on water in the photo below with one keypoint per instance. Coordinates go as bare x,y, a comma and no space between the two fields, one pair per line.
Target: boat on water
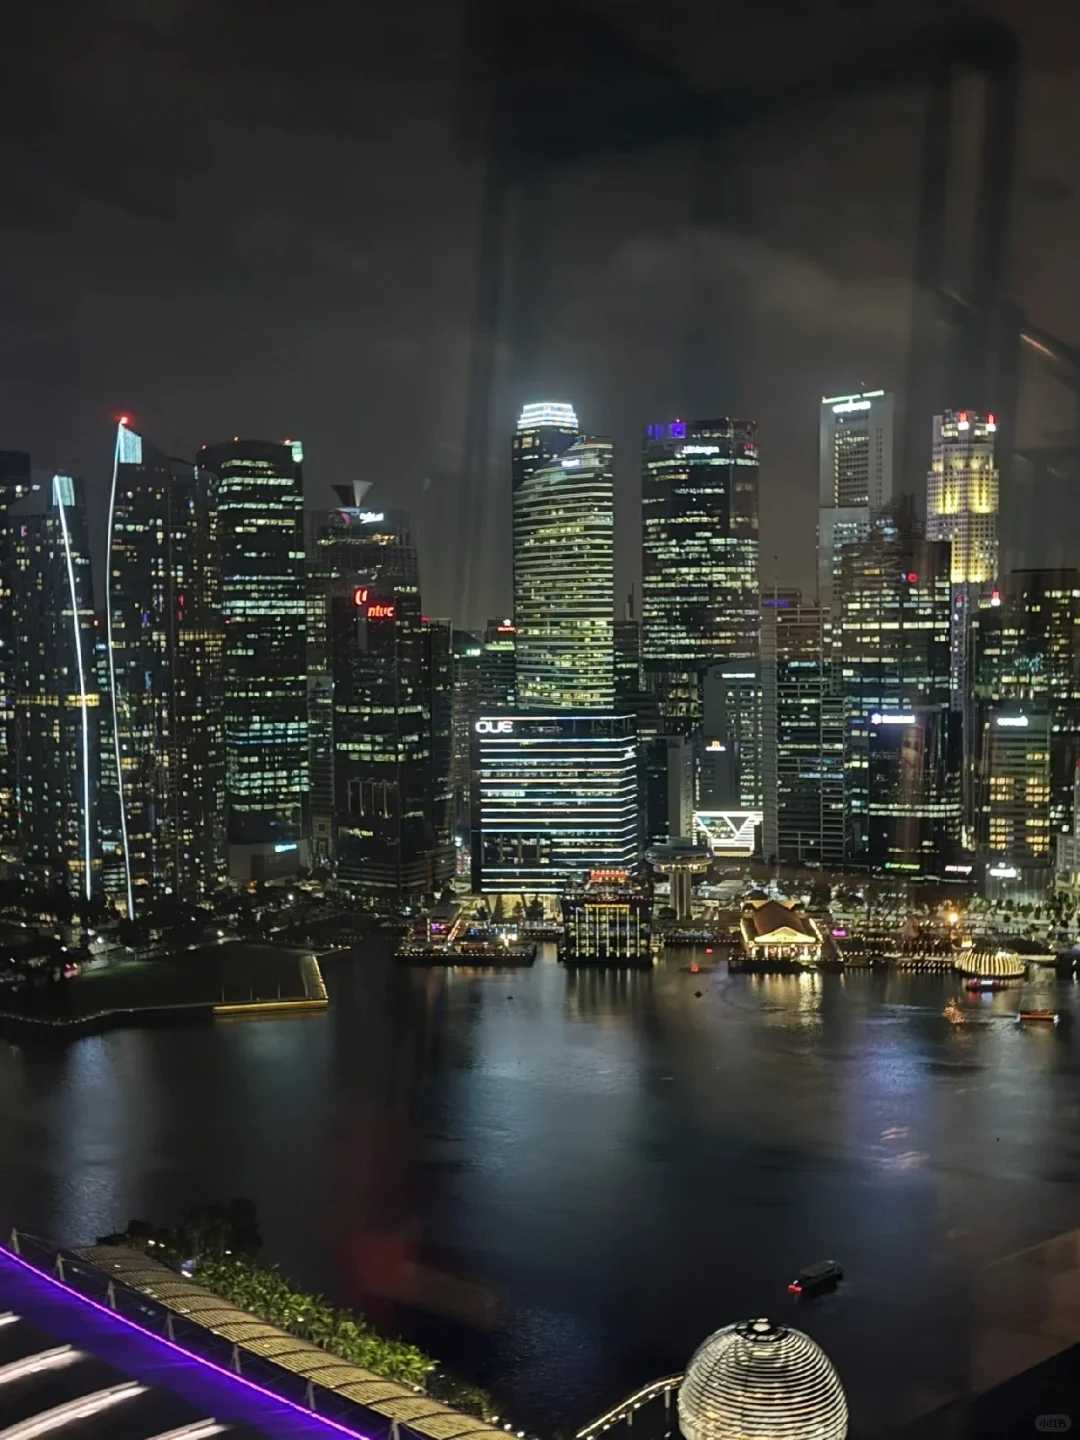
954,1014
817,1279
1038,1017
987,985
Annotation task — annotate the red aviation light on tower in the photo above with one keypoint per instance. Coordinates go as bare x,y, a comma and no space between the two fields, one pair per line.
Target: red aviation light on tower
123,419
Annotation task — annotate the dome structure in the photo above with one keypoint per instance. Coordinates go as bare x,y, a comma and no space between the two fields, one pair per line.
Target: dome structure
760,1381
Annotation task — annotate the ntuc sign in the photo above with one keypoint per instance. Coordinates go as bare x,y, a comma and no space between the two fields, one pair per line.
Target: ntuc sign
494,727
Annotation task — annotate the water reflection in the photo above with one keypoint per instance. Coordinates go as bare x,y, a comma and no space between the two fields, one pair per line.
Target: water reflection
561,1181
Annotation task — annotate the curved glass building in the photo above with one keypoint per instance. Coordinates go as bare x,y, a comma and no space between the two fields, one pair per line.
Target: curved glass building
564,581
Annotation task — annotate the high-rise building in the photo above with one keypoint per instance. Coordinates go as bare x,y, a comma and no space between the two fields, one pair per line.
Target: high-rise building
261,538
485,680
802,736
391,687
700,588
544,431
855,475
564,581
163,778
732,718
54,727
891,643
554,797
962,507
1027,648
15,483
913,809
1014,844
438,663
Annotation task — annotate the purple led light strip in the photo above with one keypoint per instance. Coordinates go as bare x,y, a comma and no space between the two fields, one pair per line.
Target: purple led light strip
187,1354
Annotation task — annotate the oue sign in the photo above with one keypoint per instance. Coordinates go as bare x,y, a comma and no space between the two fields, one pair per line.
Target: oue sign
494,727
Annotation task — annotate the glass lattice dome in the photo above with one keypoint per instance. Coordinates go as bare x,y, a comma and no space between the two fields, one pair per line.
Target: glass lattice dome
760,1381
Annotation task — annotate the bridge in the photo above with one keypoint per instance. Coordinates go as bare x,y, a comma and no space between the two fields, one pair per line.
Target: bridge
623,1413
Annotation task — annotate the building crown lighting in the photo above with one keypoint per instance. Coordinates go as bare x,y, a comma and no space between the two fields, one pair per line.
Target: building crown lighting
547,412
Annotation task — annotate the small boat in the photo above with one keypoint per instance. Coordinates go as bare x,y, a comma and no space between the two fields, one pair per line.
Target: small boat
986,986
953,1013
1038,1017
817,1279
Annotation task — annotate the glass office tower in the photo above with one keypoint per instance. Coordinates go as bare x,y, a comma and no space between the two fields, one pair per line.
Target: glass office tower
54,726
164,780
15,483
700,591
564,581
855,474
261,538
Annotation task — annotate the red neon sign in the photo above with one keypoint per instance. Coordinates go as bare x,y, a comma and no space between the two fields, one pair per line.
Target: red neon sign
379,611
359,595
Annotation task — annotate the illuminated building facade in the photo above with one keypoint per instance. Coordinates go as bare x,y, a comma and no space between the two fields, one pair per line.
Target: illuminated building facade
855,475
15,483
1027,648
802,736
962,507
544,431
164,759
391,685
564,581
733,719
485,678
891,644
260,533
54,727
607,921
913,810
553,798
700,589
1014,841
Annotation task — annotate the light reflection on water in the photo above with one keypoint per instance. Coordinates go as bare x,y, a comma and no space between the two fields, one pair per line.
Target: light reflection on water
562,1181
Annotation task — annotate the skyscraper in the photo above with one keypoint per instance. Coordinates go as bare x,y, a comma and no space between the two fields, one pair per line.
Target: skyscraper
564,581
55,711
164,780
891,643
962,507
15,482
554,797
700,588
544,431
802,736
1014,843
855,474
391,708
260,533
1027,648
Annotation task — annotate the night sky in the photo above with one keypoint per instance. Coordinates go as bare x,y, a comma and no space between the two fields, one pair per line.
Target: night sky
382,228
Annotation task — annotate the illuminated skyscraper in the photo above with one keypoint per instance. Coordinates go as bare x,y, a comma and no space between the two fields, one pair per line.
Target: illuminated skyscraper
962,507
891,643
15,482
1027,648
1014,843
544,431
164,781
855,475
803,736
564,581
390,669
261,538
55,721
700,589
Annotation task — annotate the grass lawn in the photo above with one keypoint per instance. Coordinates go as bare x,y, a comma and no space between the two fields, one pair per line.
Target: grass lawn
234,971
